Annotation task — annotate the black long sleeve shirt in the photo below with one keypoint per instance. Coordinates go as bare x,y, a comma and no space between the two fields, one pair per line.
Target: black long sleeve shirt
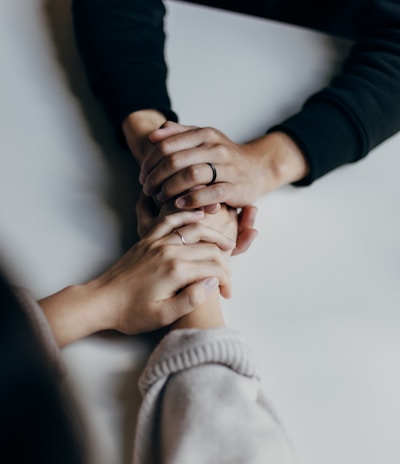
122,46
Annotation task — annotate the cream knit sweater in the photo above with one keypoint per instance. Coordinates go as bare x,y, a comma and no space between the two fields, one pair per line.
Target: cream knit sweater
202,400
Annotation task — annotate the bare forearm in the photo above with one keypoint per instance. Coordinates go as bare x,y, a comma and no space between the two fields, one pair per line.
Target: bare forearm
73,313
207,316
280,160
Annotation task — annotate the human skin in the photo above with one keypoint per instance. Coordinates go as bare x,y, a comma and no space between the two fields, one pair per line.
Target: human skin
173,161
208,314
158,281
138,127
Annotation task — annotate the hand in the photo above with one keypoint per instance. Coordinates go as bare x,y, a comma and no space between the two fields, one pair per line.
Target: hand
244,171
156,282
160,279
137,128
148,214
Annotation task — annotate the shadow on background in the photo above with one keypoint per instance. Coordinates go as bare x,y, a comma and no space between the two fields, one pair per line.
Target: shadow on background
123,174
123,170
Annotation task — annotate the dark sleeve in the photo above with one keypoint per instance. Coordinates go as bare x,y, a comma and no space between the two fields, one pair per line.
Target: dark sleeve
361,107
121,43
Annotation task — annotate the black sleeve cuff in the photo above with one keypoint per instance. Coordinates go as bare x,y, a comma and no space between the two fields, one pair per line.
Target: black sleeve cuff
122,95
327,137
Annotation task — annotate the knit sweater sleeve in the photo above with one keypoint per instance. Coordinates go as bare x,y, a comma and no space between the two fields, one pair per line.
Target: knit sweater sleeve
42,330
202,403
360,108
121,43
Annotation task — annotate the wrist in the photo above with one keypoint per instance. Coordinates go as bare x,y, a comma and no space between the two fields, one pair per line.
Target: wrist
73,313
280,159
137,126
207,316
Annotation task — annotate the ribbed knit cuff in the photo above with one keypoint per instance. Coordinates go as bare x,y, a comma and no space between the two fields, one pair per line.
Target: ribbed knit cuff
187,348
327,136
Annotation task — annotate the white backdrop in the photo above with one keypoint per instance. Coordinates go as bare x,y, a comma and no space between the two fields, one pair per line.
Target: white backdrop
318,294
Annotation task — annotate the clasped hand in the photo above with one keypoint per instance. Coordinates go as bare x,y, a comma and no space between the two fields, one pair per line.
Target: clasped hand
178,163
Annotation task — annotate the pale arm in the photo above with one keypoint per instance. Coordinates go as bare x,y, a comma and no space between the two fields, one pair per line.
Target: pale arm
155,283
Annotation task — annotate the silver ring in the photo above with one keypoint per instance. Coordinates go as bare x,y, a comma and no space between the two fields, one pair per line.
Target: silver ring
181,237
214,173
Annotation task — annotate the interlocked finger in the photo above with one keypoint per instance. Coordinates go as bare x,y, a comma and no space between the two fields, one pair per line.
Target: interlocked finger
197,232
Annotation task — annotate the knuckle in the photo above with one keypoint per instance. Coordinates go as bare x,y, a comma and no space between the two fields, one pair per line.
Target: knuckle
193,173
219,190
222,150
167,124
167,253
209,133
175,162
168,189
165,147
194,298
167,221
175,268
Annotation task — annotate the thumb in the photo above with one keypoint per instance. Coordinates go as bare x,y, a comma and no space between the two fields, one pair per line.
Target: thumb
193,296
168,129
146,214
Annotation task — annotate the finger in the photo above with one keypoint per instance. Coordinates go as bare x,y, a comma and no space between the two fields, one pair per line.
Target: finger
146,214
165,137
244,241
174,221
191,165
178,173
194,271
209,195
195,233
168,129
212,209
176,254
185,140
247,217
184,271
190,298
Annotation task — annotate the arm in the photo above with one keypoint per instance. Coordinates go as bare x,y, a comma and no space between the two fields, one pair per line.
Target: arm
338,125
201,386
359,109
155,283
203,402
122,47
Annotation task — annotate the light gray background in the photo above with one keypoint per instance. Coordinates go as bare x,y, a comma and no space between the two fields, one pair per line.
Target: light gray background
317,295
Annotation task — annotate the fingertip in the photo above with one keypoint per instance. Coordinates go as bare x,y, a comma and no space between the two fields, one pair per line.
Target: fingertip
197,214
212,209
210,284
181,202
225,292
245,240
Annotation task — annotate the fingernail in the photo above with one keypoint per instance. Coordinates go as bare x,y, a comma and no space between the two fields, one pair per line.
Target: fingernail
180,203
161,197
198,213
211,283
146,189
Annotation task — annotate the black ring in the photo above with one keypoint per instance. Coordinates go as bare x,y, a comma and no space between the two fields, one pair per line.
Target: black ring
214,173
